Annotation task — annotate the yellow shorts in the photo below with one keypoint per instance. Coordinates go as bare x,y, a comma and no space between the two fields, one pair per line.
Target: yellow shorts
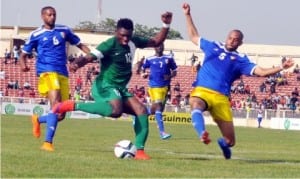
158,94
218,104
53,81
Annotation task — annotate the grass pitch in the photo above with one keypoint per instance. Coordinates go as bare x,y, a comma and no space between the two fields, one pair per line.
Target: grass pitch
84,149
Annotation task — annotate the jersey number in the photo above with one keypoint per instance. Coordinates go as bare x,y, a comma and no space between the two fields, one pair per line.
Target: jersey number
128,58
55,41
222,56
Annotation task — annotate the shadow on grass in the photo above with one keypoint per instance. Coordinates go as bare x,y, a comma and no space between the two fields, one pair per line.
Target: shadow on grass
270,161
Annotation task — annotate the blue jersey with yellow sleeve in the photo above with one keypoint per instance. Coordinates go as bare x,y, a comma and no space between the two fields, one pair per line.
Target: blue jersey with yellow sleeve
221,67
159,67
50,46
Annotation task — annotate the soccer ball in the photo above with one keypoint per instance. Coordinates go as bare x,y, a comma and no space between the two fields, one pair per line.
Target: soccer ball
125,149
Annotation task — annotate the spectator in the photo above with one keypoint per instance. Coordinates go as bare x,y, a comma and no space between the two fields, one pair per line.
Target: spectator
16,84
32,93
78,83
296,69
138,65
295,92
6,92
177,87
1,92
263,87
197,66
253,98
2,74
241,87
71,58
273,88
186,99
232,103
193,59
282,102
88,78
16,51
10,84
42,102
172,53
6,56
21,95
233,89
259,117
293,101
76,95
27,85
247,89
95,71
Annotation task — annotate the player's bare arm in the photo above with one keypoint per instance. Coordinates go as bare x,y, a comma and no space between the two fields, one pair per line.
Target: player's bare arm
191,28
80,62
23,64
173,74
162,35
144,73
84,48
268,71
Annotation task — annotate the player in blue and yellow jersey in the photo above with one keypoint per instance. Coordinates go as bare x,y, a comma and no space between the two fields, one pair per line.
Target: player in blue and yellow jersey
221,66
162,69
109,89
49,41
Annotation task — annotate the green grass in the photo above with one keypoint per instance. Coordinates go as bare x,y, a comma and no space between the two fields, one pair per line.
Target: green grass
84,149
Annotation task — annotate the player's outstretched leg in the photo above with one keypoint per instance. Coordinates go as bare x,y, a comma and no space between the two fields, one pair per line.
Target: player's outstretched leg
141,129
161,127
47,146
165,136
225,148
52,121
205,138
36,129
199,126
64,107
141,155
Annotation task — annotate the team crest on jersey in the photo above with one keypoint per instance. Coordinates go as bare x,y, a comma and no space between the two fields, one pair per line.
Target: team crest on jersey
232,58
62,34
166,61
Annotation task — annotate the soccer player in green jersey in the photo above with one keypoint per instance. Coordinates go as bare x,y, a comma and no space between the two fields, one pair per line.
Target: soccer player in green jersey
109,88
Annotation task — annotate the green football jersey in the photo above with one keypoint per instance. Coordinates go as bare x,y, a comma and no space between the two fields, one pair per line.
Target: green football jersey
116,60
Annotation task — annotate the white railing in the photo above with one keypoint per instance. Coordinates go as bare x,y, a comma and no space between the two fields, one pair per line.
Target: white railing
241,113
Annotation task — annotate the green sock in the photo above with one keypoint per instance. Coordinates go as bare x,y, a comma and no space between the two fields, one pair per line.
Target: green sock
101,108
141,129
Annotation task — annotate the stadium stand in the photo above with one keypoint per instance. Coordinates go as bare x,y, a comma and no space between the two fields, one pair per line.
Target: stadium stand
185,77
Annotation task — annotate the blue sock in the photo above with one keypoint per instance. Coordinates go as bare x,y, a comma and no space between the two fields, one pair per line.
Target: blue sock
43,119
149,110
52,121
159,120
198,121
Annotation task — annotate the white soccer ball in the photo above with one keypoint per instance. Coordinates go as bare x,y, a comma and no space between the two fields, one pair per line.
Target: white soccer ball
125,149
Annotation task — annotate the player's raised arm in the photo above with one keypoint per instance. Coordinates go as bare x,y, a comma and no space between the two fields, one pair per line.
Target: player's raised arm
162,35
260,71
192,30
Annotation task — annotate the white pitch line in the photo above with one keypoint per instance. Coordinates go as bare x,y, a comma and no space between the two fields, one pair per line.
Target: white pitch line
209,156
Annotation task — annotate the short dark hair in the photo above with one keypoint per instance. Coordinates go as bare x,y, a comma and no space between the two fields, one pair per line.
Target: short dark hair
125,23
240,32
46,8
